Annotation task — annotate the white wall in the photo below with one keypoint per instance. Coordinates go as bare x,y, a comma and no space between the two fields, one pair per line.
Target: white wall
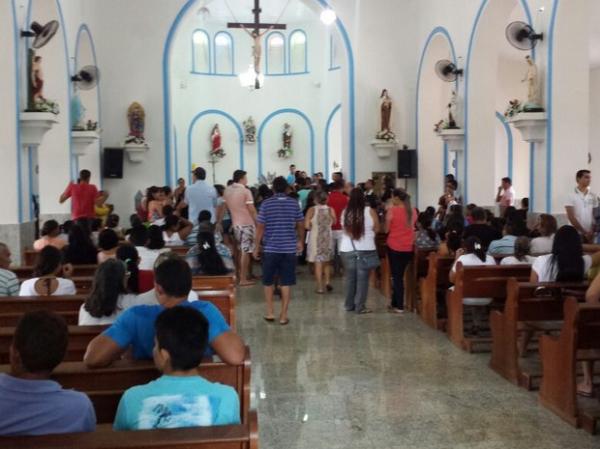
594,135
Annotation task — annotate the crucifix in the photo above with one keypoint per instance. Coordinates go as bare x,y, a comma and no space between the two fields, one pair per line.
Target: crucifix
256,35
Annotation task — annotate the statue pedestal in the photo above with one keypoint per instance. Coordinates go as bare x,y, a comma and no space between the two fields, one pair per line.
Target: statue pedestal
454,138
136,152
82,140
34,125
384,148
532,125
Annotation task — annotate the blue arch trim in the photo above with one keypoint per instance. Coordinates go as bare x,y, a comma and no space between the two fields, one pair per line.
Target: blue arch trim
482,7
510,143
550,106
531,176
332,63
83,28
268,119
191,129
327,126
231,54
167,94
208,46
445,164
444,32
17,110
289,52
176,153
268,38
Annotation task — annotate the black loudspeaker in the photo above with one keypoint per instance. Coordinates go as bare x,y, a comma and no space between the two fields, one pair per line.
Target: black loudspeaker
113,163
407,163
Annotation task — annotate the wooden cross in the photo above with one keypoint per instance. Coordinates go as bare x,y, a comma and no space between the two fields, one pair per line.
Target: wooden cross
257,25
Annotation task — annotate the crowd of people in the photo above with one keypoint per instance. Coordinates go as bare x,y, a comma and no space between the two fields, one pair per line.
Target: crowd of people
143,291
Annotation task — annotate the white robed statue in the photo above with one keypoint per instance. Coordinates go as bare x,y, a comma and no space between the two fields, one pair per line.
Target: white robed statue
534,101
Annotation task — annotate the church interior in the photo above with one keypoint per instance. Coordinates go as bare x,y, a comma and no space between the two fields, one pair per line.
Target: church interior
404,94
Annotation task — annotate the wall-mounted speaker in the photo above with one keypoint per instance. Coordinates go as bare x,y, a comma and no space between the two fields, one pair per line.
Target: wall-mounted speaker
113,163
407,163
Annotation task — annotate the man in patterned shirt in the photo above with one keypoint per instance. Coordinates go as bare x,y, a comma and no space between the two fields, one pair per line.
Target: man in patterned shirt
9,284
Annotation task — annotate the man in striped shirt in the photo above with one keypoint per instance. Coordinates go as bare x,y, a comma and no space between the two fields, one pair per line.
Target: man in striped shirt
9,284
281,229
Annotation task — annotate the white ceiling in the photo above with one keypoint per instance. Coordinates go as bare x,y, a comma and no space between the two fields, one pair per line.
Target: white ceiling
272,10
595,34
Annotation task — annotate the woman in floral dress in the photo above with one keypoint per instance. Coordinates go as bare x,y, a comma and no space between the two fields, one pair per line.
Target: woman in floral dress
319,219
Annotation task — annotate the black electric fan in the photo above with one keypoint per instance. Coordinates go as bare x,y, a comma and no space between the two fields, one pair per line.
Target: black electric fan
41,34
447,70
87,78
522,36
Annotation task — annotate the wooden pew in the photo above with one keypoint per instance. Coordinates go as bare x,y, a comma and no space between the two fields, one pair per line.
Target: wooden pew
416,270
180,250
224,282
29,257
224,300
528,306
26,271
79,338
477,282
243,436
579,340
83,284
435,284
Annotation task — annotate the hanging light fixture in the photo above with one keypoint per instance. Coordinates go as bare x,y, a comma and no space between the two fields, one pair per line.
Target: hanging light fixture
251,79
328,16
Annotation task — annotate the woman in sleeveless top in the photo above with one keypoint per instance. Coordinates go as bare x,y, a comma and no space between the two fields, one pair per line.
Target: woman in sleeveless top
318,220
46,281
176,230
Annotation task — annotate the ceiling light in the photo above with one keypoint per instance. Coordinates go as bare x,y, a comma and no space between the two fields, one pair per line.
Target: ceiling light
328,16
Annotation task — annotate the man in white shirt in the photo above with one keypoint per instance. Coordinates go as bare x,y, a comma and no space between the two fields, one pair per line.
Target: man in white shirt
199,196
580,206
506,194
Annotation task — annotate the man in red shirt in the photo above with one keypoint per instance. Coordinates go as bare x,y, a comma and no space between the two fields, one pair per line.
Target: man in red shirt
338,202
83,196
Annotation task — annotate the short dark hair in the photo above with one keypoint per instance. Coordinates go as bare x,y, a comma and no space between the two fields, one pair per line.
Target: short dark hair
478,214
581,173
507,179
48,261
183,333
280,184
138,235
174,276
85,175
238,175
41,339
292,165
155,238
108,239
338,185
49,227
204,215
200,173
453,183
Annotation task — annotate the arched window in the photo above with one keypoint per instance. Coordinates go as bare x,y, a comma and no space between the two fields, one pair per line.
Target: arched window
200,52
298,52
334,56
224,54
275,57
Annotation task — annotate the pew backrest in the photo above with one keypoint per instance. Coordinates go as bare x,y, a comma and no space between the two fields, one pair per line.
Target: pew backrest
224,300
26,271
224,282
488,281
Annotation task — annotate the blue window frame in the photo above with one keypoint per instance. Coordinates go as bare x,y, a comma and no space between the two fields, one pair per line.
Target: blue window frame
298,52
201,52
275,54
224,54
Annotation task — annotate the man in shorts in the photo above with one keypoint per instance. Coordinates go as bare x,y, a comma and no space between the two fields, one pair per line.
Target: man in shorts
240,203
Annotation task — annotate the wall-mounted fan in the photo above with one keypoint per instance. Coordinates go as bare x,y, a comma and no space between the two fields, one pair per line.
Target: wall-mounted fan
41,34
522,36
447,70
87,78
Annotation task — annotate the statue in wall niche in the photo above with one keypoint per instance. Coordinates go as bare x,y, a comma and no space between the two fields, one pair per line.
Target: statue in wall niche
136,118
533,87
286,151
385,132
452,106
216,150
77,113
36,100
249,131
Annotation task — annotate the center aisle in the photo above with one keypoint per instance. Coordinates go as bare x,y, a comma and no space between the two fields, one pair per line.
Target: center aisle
332,379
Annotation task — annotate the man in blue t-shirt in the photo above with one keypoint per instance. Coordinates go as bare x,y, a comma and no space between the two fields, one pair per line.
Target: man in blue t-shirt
135,326
181,397
31,403
281,228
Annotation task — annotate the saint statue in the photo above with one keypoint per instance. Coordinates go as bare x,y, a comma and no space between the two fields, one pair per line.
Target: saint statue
386,111
533,87
216,150
136,118
286,151
37,80
452,111
249,131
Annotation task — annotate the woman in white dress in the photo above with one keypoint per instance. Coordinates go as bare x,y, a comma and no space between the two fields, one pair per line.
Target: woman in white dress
47,280
521,256
318,221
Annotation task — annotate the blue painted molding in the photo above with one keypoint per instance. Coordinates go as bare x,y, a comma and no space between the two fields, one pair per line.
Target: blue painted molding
289,52
445,164
231,48
268,119
209,48
444,32
83,28
176,153
191,129
167,94
531,176
327,126
550,106
332,62
509,142
16,37
267,46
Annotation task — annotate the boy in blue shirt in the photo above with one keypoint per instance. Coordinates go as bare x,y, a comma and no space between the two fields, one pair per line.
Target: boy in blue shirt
135,326
31,403
180,398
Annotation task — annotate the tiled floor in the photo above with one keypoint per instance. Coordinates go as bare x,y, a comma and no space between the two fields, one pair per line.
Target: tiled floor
332,379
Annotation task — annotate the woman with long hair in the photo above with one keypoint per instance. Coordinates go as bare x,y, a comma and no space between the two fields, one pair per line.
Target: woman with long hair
50,236
318,221
176,230
109,296
522,254
47,274
400,220
426,237
204,257
360,225
139,281
81,249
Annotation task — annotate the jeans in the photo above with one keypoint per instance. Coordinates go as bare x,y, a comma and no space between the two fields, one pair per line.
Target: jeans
356,283
398,263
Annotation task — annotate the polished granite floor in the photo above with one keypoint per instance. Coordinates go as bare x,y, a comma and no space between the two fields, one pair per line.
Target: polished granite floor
332,379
